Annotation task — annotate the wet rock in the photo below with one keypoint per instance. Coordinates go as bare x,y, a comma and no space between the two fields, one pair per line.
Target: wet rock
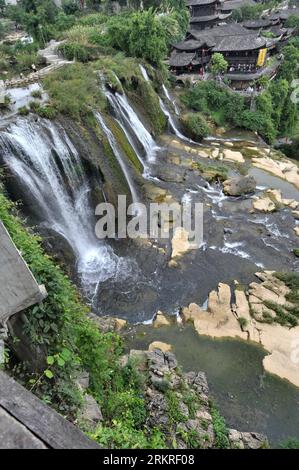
239,185
291,203
171,176
247,440
160,320
296,214
264,204
233,156
275,195
107,324
164,347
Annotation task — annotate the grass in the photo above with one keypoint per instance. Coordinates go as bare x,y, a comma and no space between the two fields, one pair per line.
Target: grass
212,172
220,428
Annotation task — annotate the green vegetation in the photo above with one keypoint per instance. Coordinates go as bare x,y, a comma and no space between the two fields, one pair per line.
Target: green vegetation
292,281
296,252
275,114
218,64
243,322
290,443
215,172
74,90
253,12
195,126
72,343
220,429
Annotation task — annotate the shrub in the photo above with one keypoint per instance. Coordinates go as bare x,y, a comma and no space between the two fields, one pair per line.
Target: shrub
195,126
23,111
47,112
37,94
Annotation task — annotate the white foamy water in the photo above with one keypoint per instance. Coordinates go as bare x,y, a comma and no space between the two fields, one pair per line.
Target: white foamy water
215,194
117,152
44,160
171,100
132,126
144,73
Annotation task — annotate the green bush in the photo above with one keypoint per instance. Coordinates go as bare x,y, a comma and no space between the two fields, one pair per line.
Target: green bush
80,52
23,111
195,126
47,112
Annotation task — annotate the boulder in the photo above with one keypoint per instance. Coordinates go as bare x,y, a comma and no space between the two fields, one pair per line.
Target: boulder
296,230
275,195
164,347
247,440
264,204
239,185
160,320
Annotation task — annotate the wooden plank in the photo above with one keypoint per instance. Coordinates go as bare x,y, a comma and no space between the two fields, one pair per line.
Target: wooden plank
14,435
44,422
18,288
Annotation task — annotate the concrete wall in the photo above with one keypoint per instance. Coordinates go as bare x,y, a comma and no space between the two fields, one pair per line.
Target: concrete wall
18,288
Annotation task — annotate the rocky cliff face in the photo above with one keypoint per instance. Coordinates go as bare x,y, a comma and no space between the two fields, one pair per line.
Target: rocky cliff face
179,404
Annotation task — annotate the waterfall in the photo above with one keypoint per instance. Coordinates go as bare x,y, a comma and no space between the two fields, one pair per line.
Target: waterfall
172,123
133,127
48,167
172,101
144,73
116,150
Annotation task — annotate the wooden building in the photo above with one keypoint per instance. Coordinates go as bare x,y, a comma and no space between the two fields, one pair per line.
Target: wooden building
240,47
205,13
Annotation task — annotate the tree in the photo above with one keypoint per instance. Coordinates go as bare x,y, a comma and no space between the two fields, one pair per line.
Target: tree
293,22
289,67
147,37
218,64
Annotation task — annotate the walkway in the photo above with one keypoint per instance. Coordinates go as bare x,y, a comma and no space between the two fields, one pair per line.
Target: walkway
53,60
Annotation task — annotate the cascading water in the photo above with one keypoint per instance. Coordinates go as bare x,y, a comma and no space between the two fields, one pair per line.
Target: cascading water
172,101
172,123
144,73
115,148
131,124
44,160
